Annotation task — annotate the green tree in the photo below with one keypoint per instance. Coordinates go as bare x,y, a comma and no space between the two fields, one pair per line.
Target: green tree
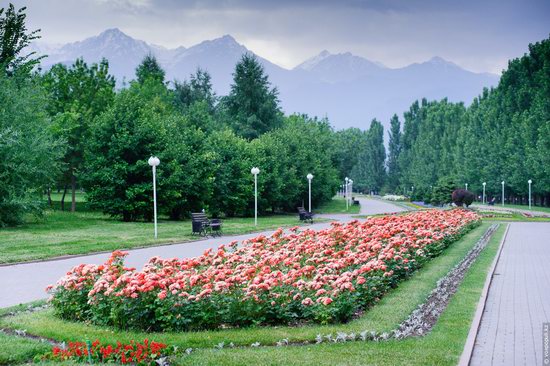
77,95
197,89
149,68
30,154
346,147
285,156
369,173
252,105
14,38
393,154
231,162
142,122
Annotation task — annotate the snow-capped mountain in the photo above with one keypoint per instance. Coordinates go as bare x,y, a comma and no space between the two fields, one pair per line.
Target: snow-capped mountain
339,67
348,89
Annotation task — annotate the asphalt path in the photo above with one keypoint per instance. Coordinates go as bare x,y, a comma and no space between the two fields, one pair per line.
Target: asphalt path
22,283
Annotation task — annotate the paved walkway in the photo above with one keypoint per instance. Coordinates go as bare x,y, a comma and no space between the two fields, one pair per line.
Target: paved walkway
21,283
518,302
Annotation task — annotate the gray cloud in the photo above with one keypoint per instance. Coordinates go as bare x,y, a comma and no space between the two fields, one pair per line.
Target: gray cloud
478,35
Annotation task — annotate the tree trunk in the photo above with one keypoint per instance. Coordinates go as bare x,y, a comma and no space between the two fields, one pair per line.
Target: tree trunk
49,193
73,193
63,198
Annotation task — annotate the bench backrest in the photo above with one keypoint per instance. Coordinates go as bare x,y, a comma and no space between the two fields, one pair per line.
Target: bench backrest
199,217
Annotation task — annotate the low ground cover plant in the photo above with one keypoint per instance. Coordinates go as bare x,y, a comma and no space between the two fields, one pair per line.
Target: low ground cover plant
321,276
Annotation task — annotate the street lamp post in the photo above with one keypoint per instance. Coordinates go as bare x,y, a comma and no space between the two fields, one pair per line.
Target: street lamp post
309,178
529,181
483,199
502,192
350,190
346,190
466,186
255,171
154,162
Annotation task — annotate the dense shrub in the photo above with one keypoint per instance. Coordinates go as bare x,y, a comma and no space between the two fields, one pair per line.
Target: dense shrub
462,197
323,277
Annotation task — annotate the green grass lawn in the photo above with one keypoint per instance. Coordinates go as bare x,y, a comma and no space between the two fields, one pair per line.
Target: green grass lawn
390,311
64,233
337,206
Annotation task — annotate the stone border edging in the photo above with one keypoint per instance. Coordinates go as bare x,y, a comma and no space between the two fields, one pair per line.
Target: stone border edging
472,335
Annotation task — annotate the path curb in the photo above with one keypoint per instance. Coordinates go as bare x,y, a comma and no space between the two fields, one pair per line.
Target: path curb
472,335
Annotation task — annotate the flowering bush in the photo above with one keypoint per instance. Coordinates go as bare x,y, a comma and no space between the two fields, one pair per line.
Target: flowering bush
145,353
320,276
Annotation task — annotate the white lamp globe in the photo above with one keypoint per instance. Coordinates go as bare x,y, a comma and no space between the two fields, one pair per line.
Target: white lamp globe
255,171
310,176
154,161
502,182
350,181
347,179
529,181
484,183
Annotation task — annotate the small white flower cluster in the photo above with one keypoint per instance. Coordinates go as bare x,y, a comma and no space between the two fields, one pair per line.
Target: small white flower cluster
393,197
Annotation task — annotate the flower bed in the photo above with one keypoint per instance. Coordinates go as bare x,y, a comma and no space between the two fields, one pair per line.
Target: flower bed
320,276
134,353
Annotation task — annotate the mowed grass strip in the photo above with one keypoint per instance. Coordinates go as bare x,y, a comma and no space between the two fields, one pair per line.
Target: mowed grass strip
386,315
337,206
63,233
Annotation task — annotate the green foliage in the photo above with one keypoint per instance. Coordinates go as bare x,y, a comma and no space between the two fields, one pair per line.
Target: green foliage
197,89
143,122
285,157
30,154
442,191
252,105
231,161
13,39
77,95
149,68
347,145
393,153
369,172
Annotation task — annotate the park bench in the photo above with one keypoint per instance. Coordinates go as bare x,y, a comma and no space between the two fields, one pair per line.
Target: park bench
305,215
200,224
216,227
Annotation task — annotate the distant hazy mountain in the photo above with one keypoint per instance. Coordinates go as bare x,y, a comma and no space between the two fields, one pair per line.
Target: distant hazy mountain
348,89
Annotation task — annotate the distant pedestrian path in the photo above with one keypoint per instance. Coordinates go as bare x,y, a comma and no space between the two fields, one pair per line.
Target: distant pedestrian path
518,302
21,283
372,206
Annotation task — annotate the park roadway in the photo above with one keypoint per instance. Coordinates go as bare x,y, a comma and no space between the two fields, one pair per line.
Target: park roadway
22,283
518,302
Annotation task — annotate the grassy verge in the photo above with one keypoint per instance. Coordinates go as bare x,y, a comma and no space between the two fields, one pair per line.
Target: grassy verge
64,233
443,346
390,311
337,206
15,349
514,216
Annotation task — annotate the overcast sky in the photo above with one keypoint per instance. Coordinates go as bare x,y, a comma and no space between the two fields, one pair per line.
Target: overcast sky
478,35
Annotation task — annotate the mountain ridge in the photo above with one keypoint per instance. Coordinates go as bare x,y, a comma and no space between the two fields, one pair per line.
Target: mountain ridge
351,90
